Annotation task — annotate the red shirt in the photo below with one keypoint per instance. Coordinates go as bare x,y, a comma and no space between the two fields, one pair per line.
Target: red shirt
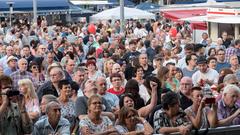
111,90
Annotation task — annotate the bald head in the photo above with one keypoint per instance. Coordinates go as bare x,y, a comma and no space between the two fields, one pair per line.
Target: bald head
186,85
22,64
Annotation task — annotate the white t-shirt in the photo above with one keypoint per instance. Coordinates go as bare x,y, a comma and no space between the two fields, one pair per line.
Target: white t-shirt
211,75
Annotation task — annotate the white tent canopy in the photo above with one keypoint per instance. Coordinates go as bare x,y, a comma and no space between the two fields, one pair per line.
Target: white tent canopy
129,13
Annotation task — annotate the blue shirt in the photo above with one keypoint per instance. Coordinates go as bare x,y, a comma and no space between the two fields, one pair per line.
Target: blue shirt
43,127
222,65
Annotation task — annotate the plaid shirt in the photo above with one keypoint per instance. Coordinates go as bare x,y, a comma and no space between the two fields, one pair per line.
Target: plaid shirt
229,52
16,76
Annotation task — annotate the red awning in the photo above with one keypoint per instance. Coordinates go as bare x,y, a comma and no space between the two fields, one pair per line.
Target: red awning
175,15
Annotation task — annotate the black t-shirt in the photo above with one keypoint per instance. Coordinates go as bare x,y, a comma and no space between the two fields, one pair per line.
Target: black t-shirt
185,102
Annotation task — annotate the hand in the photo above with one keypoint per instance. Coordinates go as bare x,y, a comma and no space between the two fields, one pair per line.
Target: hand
236,113
184,130
21,102
153,85
111,130
202,104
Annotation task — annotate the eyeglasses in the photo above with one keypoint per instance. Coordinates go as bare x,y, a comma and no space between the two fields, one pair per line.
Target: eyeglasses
235,83
221,54
101,84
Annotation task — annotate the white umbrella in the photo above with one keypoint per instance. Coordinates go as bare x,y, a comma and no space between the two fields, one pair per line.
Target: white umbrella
129,13
226,19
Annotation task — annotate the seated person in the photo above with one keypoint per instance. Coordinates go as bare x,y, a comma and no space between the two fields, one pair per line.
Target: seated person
94,122
170,118
200,115
228,110
130,123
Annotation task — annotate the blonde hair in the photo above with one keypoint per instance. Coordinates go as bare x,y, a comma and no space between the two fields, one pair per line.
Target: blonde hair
106,70
31,94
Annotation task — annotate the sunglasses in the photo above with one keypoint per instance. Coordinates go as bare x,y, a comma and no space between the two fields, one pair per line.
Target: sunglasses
34,67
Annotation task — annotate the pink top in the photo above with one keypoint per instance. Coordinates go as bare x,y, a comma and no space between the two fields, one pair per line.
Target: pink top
32,105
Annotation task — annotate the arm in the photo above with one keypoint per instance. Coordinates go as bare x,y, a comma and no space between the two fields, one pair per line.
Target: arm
212,116
146,110
86,131
184,130
229,119
4,104
109,114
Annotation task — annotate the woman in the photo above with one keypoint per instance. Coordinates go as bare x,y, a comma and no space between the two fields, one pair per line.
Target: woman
212,52
138,71
170,118
162,75
94,122
212,62
129,123
108,67
67,105
31,100
128,100
93,73
37,74
179,74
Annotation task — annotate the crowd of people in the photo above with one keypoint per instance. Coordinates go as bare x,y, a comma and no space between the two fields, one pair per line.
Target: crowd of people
94,79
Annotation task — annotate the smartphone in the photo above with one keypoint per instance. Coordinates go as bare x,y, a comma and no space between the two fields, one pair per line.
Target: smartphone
210,100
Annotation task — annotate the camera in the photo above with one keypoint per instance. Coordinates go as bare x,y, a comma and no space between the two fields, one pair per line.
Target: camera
11,93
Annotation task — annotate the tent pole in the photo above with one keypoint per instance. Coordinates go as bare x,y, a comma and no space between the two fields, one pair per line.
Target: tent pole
34,11
122,16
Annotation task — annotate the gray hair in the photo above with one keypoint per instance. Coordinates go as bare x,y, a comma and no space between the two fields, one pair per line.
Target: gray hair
51,104
229,77
231,87
49,98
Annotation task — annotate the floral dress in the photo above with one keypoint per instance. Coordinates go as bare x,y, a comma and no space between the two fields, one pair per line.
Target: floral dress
68,112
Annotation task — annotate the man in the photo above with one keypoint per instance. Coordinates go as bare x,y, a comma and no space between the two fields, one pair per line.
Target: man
157,63
112,99
228,109
51,87
69,69
53,123
188,49
89,88
58,55
12,65
14,120
151,52
221,60
116,80
185,91
204,39
143,61
132,52
232,50
45,100
26,53
226,41
21,73
79,76
205,75
190,69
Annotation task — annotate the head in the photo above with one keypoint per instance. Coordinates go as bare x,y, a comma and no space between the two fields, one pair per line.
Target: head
230,79
143,59
234,60
224,35
101,85
191,60
91,65
26,50
74,87
138,71
95,104
53,111
163,74
172,69
27,88
237,43
34,67
9,50
186,85
202,64
12,62
41,49
127,116
22,64
126,100
70,65
230,95
108,66
56,74
45,100
132,87
221,55
133,45
116,80
65,88
116,68
204,36
170,103
80,75
212,62
89,87
188,49
179,74
197,95
212,52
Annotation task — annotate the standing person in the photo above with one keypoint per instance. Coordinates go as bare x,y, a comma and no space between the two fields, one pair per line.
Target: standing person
190,69
132,52
151,52
94,122
53,123
14,119
21,73
232,50
226,41
221,60
143,61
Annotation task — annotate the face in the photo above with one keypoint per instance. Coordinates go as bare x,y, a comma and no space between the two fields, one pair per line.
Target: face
95,105
35,68
212,64
139,72
221,55
26,51
66,90
89,86
143,59
54,113
131,118
43,105
224,35
133,47
234,60
186,86
174,109
110,65
172,71
116,82
23,88
101,85
197,97
50,57
203,67
91,67
79,77
178,75
55,75
116,68
9,51
70,65
230,98
42,49
22,64
128,102
12,63
193,60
